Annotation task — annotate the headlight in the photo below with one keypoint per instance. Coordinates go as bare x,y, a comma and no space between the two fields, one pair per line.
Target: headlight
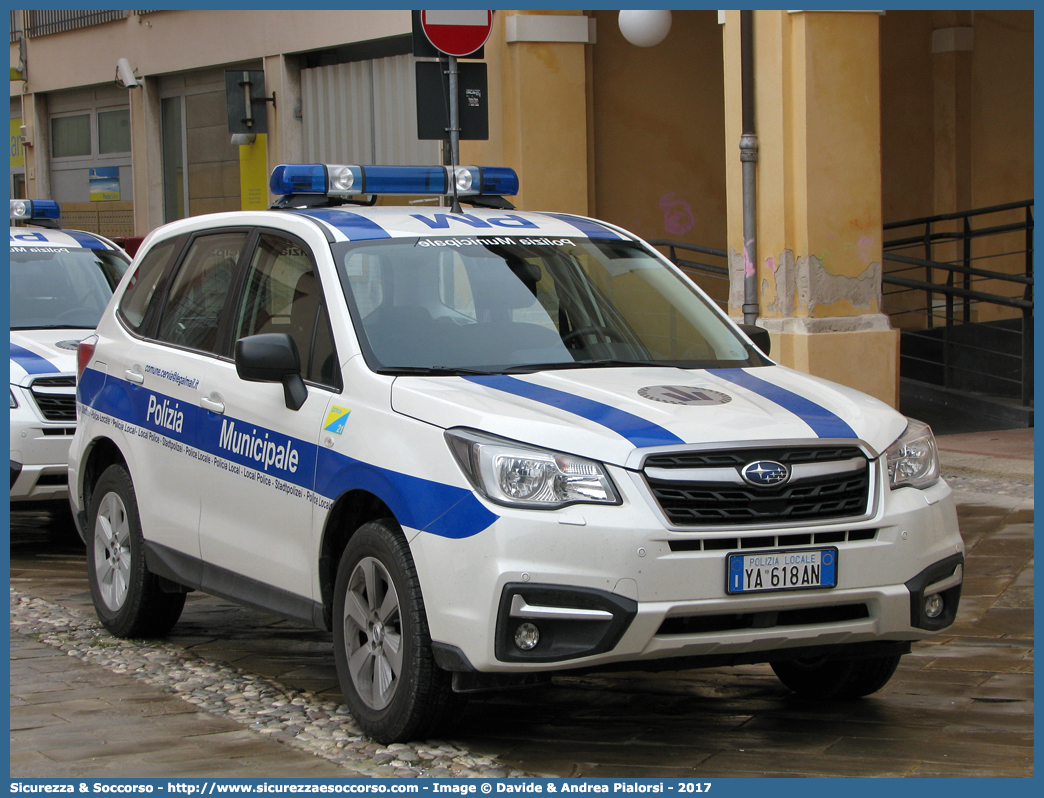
913,460
512,473
14,402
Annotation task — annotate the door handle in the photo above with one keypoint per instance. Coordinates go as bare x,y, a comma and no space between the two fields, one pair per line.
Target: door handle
212,405
134,376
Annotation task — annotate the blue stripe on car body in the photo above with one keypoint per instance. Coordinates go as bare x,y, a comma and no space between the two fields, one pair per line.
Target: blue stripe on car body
443,510
588,227
32,362
354,226
634,428
824,423
86,240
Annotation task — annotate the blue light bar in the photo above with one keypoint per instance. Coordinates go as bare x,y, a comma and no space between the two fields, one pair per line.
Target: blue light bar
499,180
337,180
404,180
27,210
298,179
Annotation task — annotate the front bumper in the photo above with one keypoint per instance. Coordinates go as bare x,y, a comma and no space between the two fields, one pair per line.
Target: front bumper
680,607
39,456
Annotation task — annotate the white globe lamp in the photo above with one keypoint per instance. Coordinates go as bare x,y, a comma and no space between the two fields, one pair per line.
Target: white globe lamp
645,28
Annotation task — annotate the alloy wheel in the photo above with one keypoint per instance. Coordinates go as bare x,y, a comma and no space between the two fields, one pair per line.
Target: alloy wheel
112,552
373,633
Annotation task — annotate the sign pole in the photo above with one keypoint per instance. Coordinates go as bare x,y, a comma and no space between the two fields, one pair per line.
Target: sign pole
454,130
454,112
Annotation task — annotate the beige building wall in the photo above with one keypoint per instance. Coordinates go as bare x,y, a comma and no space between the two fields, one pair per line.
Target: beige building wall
162,42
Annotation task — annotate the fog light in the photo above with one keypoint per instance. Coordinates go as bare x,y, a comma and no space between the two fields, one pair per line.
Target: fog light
933,605
527,636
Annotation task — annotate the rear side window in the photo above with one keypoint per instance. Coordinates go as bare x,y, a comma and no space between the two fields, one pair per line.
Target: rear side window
193,309
143,283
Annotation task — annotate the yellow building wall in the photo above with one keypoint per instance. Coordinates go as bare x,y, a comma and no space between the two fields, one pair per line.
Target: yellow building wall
658,134
957,134
537,118
907,110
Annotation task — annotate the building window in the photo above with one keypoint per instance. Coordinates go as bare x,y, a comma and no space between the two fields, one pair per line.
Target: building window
114,131
71,136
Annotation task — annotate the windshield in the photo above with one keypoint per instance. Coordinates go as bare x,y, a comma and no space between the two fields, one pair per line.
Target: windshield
57,288
518,304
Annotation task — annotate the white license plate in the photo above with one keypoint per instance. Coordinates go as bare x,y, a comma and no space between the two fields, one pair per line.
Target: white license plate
791,569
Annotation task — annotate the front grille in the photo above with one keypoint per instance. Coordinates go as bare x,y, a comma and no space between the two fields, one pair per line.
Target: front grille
729,622
740,457
722,499
56,397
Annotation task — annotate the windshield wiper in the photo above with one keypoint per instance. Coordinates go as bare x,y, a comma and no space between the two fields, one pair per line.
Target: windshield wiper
430,370
584,364
57,327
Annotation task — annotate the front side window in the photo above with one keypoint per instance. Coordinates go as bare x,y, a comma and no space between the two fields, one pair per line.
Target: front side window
193,308
62,288
492,306
283,295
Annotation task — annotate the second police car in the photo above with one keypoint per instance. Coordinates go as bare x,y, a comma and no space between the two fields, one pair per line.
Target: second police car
483,447
60,283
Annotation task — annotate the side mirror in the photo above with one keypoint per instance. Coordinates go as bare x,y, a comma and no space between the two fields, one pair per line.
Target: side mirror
759,335
272,357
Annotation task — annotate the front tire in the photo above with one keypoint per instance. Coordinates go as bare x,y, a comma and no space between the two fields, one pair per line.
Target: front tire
826,680
382,647
127,596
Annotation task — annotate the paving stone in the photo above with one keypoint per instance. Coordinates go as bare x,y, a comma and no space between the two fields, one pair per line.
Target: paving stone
941,749
748,764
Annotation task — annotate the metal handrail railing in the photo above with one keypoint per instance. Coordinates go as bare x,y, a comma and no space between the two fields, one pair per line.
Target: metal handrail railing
942,328
673,246
707,269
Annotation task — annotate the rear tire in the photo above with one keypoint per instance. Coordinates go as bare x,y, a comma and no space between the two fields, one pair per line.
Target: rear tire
127,596
825,680
382,647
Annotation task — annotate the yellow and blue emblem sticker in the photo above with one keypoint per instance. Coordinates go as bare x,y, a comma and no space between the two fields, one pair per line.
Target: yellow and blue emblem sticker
336,419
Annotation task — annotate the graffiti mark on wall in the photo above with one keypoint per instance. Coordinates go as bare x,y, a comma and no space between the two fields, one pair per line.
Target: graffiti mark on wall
678,218
866,248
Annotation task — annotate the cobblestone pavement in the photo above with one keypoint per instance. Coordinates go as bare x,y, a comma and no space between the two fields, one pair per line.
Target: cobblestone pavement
961,704
320,726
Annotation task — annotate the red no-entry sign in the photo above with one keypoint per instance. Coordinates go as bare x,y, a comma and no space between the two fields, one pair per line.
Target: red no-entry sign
457,33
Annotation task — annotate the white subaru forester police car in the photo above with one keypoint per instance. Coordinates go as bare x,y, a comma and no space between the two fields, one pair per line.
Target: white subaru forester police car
61,281
485,446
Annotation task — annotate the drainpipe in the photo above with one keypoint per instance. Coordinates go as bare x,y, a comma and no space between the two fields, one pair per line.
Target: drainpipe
749,158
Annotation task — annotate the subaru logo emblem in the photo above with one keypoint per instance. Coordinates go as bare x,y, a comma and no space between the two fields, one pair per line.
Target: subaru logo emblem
765,473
